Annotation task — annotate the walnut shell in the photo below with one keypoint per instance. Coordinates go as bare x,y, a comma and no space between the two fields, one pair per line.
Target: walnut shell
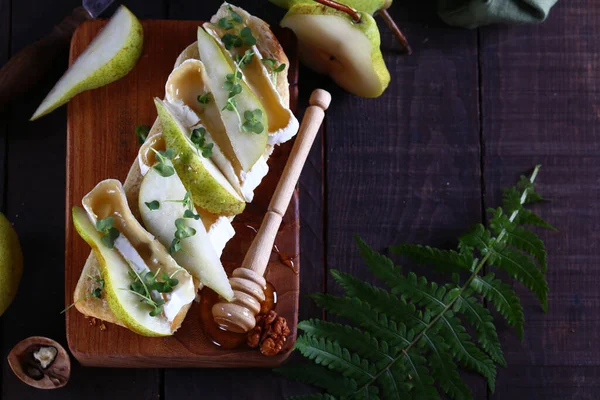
30,371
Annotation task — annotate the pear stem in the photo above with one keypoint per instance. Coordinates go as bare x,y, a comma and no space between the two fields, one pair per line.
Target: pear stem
341,7
355,15
389,21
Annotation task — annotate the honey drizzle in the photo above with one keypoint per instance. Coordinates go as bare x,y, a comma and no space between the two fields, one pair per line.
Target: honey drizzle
285,259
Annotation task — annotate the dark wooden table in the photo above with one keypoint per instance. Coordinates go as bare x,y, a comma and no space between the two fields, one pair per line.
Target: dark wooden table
463,117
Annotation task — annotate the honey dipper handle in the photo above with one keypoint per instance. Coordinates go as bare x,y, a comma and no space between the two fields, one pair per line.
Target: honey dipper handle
259,252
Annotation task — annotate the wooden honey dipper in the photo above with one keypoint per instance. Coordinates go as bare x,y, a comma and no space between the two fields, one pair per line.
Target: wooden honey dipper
247,281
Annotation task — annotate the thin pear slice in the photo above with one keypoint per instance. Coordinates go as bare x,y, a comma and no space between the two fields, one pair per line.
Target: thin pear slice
283,125
248,146
197,254
114,270
110,56
331,43
210,189
184,85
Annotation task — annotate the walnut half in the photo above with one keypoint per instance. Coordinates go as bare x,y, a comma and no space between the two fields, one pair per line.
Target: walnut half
269,334
40,362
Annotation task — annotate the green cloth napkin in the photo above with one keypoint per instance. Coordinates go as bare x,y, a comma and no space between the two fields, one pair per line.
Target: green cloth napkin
474,13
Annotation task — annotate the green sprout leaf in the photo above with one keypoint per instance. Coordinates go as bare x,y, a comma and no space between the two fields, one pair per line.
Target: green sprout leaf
230,41
153,205
272,64
252,121
224,23
141,131
198,138
162,165
247,37
204,98
110,234
190,214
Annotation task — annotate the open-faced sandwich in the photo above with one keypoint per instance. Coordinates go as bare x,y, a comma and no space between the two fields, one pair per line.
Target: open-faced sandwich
158,238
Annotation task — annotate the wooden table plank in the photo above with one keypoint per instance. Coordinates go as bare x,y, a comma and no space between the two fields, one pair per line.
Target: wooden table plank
36,181
541,104
405,167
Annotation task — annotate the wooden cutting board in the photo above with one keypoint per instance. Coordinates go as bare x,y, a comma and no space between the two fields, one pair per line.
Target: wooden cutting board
101,144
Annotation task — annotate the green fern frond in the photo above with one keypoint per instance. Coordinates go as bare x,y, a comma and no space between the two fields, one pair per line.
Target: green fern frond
482,320
520,267
380,265
426,294
442,260
333,356
410,340
354,339
360,313
464,351
527,217
381,300
503,298
445,371
317,375
519,237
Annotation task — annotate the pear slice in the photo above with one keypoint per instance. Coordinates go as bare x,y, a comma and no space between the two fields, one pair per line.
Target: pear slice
331,43
110,56
210,189
283,125
197,254
247,146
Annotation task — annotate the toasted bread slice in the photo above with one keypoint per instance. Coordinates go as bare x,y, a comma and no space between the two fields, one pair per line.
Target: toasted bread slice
269,46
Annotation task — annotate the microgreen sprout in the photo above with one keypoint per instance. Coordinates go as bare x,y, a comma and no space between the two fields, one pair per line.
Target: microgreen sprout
247,36
95,293
153,205
252,121
144,285
272,64
228,23
110,233
198,138
141,131
183,231
204,98
162,166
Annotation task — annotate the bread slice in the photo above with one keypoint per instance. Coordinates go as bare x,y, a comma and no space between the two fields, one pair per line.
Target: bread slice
268,46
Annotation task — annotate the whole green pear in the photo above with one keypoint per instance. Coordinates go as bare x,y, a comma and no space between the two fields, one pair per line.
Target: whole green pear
11,263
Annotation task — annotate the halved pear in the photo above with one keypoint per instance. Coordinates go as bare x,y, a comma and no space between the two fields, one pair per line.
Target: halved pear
210,189
197,254
110,56
283,125
247,146
331,43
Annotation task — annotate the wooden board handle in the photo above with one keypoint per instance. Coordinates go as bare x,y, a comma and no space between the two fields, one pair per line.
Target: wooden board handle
259,252
28,66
